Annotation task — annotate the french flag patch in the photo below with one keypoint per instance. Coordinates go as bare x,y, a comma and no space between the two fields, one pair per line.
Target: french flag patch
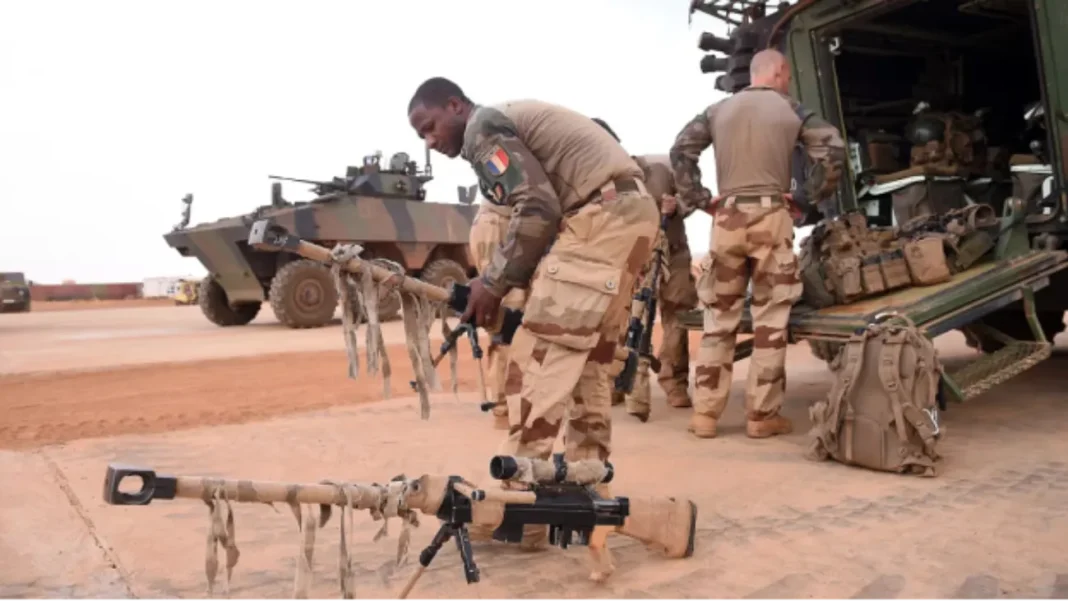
497,163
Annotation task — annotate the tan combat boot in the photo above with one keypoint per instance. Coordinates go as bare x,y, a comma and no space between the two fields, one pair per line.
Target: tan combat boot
703,426
771,426
679,398
500,417
617,398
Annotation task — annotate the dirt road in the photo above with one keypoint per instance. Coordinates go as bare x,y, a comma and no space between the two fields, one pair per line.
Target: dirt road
771,524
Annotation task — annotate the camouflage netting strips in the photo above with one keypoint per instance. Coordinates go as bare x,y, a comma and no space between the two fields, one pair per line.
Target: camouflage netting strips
418,312
382,501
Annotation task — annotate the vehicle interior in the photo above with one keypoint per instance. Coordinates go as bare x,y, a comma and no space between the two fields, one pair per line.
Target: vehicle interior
976,58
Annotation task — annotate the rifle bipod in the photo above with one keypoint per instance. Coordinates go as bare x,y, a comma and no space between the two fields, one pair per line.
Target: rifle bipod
458,532
476,351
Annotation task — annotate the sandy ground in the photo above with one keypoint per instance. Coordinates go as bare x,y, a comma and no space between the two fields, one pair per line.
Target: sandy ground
162,388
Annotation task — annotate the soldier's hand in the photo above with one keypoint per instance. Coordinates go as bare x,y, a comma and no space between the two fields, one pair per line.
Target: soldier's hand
482,305
668,204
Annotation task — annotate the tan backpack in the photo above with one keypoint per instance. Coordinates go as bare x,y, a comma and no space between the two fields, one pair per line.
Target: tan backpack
882,411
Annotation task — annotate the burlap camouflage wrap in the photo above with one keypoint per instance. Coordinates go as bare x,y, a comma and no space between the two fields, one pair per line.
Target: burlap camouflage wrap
488,231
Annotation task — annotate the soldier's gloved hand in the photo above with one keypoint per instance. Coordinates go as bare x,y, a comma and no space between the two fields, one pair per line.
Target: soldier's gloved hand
482,305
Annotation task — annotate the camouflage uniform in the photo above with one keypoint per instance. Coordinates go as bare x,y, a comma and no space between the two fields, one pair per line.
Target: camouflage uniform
564,177
488,231
676,293
755,132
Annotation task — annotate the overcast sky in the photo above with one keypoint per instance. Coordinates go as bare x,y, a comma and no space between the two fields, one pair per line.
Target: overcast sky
111,111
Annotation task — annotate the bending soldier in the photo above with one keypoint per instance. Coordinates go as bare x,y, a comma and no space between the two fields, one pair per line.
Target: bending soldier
563,177
675,292
754,132
488,231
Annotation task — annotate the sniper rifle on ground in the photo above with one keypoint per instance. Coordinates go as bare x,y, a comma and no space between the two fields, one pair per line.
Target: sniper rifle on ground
267,235
557,493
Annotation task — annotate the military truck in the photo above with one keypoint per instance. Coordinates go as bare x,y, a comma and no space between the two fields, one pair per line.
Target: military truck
946,103
382,208
14,293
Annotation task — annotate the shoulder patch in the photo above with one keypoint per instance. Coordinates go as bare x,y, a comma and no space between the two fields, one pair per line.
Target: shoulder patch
498,162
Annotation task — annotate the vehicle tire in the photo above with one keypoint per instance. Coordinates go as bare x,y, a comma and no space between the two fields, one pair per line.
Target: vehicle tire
443,272
825,350
1014,324
302,294
216,307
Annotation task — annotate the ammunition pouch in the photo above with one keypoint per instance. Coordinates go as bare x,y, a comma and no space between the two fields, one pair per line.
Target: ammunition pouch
926,260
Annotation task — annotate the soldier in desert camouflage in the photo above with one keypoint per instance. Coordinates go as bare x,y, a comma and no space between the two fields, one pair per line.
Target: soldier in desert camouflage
676,292
488,231
582,226
754,132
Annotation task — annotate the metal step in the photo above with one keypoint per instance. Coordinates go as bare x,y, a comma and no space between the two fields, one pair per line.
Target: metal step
995,368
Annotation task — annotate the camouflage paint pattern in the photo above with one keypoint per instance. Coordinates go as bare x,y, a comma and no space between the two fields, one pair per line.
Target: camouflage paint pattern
758,233
542,161
575,311
676,292
487,233
384,211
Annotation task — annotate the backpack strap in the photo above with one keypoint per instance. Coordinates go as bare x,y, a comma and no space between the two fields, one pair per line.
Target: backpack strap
889,374
854,363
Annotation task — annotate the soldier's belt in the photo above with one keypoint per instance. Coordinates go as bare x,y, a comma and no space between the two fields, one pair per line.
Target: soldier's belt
767,200
610,191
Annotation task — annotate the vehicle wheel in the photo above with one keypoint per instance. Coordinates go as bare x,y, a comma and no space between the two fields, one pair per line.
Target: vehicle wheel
443,272
1014,324
302,294
216,307
825,350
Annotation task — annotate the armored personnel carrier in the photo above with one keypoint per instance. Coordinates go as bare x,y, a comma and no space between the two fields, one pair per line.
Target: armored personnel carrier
14,293
381,207
944,105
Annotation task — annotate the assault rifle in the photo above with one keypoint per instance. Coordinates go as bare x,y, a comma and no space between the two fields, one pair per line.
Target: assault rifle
639,339
267,235
558,493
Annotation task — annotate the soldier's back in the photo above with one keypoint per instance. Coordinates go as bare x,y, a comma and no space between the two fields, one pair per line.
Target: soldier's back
754,132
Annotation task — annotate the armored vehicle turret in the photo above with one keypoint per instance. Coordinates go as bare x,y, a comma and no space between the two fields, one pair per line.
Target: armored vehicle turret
381,207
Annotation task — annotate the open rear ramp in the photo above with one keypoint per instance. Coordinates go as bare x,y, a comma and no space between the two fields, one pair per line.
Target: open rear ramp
958,302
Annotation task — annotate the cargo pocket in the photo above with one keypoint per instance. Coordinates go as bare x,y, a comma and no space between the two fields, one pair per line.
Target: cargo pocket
568,300
786,284
706,281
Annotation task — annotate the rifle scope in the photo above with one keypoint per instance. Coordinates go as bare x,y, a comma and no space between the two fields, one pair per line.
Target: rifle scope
557,471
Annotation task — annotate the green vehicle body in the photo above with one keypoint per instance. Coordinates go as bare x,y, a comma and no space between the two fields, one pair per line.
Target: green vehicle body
383,208
14,293
1013,54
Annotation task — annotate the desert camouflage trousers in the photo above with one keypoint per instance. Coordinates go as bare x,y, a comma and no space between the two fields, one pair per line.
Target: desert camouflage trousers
752,237
488,230
576,307
676,292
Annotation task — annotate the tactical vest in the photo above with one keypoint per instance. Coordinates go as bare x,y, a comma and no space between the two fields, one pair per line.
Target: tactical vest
882,410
